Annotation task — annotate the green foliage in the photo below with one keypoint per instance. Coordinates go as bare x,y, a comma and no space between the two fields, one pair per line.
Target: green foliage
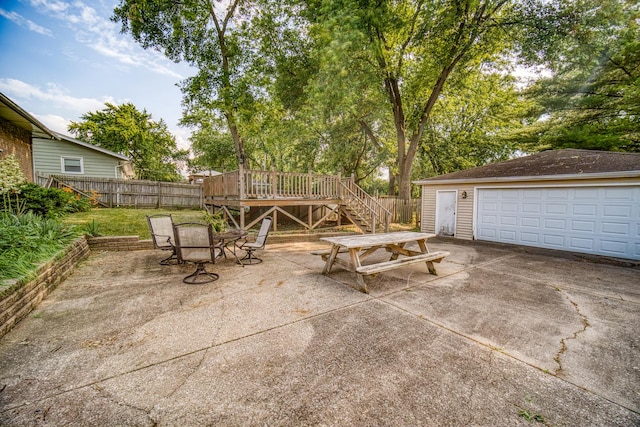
27,240
92,229
124,129
467,125
48,202
212,149
591,100
389,64
530,417
11,176
416,87
216,220
210,38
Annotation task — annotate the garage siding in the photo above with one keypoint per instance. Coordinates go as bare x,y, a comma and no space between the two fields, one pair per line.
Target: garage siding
464,210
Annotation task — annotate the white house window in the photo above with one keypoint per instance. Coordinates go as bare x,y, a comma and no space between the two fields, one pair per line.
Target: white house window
72,165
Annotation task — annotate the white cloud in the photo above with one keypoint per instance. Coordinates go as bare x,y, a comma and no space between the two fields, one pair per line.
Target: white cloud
51,6
53,95
55,98
20,20
53,122
100,34
182,137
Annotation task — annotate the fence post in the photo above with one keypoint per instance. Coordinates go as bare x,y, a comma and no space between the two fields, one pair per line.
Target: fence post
111,193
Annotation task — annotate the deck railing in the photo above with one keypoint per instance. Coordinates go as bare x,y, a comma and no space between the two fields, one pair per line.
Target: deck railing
257,184
354,195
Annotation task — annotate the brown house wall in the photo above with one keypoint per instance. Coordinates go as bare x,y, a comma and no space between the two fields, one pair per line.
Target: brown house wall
17,141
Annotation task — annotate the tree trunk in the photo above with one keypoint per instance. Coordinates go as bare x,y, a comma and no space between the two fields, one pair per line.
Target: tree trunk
392,184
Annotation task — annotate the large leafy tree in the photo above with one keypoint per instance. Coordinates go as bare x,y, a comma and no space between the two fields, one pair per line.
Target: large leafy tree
126,130
208,35
408,50
592,98
468,126
415,52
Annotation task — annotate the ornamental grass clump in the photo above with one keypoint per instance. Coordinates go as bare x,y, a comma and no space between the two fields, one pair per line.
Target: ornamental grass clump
27,240
28,237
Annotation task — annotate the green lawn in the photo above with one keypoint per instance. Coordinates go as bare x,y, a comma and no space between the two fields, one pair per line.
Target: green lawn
127,222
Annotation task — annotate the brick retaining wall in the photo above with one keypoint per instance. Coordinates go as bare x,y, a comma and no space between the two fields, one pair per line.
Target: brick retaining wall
119,243
19,300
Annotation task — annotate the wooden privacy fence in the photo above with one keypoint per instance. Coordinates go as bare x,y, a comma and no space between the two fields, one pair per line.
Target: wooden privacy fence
113,192
402,211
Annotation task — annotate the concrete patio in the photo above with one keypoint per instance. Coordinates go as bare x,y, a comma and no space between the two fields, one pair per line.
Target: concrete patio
503,336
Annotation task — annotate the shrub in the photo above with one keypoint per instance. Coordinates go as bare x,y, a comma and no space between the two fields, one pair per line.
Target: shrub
49,202
11,176
216,220
27,240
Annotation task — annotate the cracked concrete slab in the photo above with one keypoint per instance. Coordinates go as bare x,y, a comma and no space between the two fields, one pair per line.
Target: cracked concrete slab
499,337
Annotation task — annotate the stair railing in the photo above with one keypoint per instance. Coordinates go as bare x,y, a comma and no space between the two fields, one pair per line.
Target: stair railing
353,194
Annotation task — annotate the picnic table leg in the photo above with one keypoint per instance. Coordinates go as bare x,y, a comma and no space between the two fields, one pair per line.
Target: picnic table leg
355,263
362,283
425,250
331,259
395,254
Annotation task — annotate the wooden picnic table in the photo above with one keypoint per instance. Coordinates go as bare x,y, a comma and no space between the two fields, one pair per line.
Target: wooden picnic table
361,246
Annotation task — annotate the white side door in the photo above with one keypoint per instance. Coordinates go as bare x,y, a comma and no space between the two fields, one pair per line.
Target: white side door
446,201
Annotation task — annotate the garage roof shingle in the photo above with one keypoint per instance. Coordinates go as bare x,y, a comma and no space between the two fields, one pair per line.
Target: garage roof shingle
550,163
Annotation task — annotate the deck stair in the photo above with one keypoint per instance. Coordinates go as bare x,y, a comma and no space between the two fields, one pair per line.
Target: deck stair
362,209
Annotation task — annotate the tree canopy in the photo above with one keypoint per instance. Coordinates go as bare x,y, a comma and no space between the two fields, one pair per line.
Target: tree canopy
415,86
126,130
592,99
208,35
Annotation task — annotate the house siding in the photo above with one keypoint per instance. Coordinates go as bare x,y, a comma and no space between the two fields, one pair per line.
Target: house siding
48,153
17,141
465,207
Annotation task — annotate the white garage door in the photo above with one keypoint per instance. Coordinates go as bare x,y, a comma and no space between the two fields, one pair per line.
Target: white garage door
596,220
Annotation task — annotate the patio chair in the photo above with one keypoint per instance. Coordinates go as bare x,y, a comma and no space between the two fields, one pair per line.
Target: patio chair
161,226
196,243
251,246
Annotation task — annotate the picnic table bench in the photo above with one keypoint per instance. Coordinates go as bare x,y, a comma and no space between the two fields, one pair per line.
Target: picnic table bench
362,246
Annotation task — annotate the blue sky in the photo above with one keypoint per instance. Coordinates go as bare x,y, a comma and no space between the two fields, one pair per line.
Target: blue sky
60,59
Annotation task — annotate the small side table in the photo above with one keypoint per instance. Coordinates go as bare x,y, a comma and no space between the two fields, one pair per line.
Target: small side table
229,237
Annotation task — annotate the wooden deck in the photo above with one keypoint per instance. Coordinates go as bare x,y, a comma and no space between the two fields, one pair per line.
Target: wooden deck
306,198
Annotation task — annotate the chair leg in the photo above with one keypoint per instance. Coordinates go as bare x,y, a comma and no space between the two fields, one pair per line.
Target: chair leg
201,275
249,258
168,260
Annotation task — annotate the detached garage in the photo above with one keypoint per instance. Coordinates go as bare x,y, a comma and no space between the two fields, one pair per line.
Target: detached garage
574,200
